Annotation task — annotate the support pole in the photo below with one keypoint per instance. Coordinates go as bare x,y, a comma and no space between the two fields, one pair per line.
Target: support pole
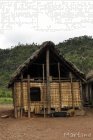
28,92
87,86
60,101
90,98
43,89
92,93
81,95
14,99
21,95
48,81
72,90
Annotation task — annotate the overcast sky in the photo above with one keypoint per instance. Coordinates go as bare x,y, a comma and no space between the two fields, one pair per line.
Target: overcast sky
28,21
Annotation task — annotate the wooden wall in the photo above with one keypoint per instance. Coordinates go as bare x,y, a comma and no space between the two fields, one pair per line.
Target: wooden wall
65,99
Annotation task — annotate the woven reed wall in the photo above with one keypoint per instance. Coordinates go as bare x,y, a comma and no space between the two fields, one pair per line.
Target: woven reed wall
66,95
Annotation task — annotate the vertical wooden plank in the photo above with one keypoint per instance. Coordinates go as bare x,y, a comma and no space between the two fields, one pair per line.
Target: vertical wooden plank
21,95
90,100
14,97
28,92
92,94
60,101
72,90
87,99
48,81
43,89
89,93
81,95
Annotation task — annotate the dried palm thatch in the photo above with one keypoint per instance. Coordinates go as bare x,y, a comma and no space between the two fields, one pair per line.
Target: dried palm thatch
30,60
89,76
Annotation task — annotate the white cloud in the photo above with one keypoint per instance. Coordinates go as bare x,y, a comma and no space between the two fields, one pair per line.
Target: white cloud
32,21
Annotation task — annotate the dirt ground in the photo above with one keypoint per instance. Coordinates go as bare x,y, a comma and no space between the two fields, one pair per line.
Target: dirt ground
63,128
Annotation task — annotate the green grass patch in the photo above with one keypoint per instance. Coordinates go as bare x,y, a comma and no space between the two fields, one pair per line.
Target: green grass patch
5,100
5,93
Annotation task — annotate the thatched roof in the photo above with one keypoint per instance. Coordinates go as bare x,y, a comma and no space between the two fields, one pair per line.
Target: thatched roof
89,76
35,55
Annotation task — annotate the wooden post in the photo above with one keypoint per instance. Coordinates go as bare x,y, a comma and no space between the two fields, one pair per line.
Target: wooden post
14,98
28,92
48,80
43,89
87,99
72,90
21,95
81,96
92,93
59,86
13,95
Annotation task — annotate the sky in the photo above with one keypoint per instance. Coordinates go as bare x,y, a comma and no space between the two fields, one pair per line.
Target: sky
28,21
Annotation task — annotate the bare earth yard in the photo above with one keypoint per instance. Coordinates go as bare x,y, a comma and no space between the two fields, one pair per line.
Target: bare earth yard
65,128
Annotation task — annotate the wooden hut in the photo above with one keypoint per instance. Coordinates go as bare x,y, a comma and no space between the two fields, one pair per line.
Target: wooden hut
46,82
88,90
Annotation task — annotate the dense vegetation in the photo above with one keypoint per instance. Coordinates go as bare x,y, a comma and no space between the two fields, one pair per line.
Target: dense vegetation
78,50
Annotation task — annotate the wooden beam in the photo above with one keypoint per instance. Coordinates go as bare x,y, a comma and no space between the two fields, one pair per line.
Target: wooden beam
87,86
43,89
48,81
92,93
21,95
14,99
28,92
53,79
13,95
81,95
60,99
72,89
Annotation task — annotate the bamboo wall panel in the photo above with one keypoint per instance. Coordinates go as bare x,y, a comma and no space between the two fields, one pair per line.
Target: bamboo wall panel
18,94
76,91
36,106
66,94
25,96
54,92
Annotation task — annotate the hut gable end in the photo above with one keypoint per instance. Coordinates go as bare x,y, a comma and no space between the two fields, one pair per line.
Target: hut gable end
33,66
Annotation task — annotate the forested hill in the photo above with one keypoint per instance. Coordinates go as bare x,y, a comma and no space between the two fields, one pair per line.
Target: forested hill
78,50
